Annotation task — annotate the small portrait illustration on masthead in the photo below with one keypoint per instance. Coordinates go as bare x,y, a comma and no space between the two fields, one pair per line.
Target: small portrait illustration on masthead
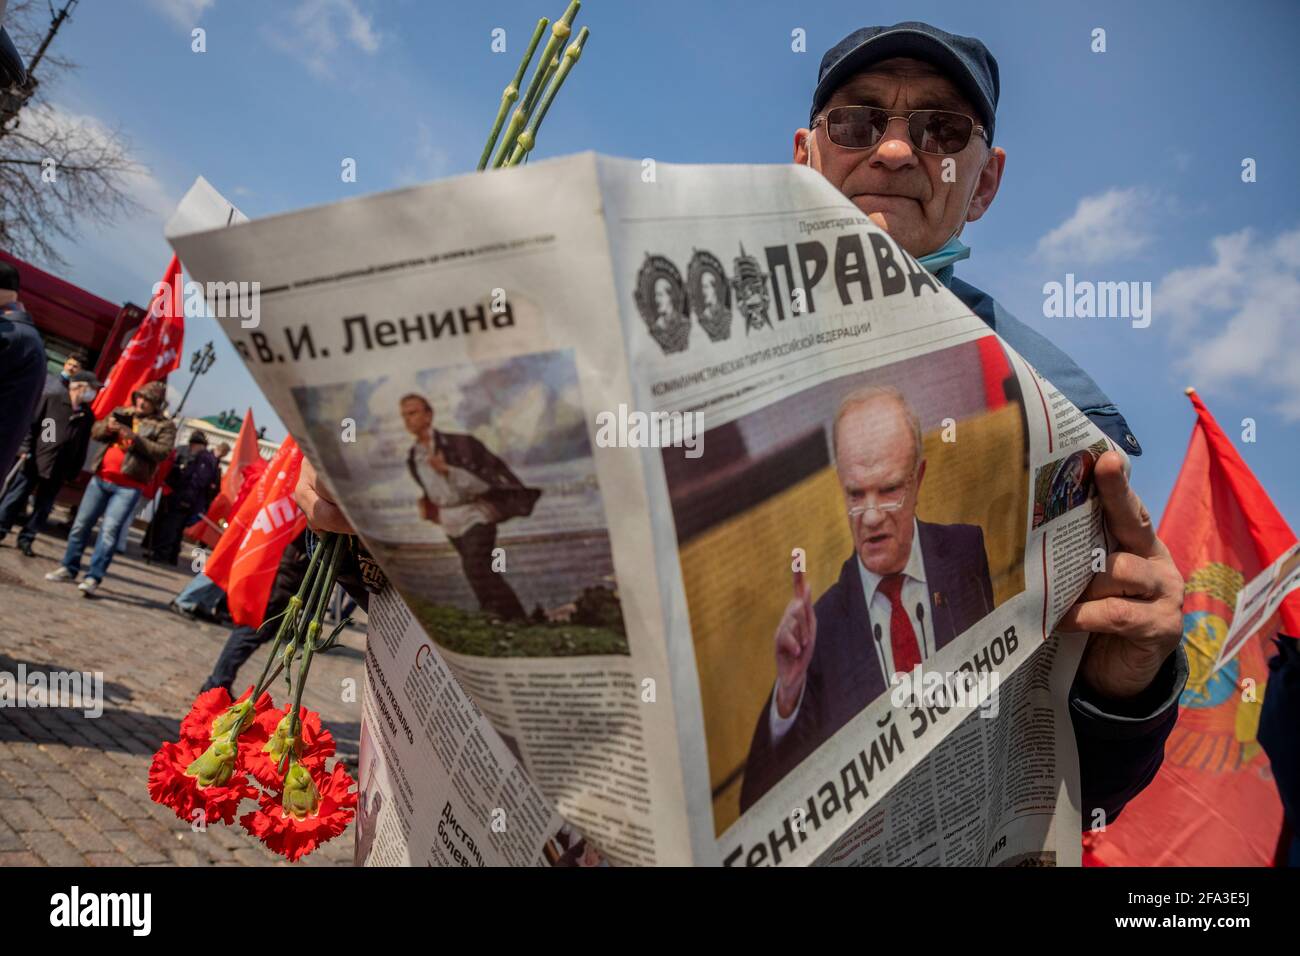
661,300
750,286
709,294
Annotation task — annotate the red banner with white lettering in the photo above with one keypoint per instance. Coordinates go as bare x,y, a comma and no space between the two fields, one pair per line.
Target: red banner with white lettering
245,560
1214,802
155,347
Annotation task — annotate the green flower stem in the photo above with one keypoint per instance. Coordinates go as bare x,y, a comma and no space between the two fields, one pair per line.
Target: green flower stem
288,624
511,92
318,585
528,138
551,54
336,544
559,33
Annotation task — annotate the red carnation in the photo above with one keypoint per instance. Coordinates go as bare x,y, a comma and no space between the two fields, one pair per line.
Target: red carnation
213,705
263,745
321,807
187,776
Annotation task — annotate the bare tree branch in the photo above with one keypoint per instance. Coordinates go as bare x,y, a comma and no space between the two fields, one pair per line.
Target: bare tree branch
58,172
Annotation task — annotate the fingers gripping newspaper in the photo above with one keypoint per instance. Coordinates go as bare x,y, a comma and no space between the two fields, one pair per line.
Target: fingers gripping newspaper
717,530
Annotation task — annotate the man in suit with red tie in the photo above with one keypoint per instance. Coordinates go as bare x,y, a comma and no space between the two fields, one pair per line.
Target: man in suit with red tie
909,588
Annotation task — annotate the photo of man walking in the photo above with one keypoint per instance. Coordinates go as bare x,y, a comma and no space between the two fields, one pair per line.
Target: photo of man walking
467,491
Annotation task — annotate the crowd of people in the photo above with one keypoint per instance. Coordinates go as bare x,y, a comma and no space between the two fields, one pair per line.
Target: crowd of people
47,432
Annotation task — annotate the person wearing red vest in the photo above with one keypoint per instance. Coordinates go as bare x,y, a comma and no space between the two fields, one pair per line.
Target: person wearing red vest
136,438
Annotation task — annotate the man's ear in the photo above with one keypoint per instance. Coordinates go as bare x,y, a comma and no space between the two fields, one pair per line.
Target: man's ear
802,138
986,187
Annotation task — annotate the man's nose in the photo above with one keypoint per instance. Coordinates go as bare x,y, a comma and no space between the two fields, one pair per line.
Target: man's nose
894,151
873,519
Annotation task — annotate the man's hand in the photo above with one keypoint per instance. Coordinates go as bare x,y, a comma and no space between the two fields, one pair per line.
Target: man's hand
1133,609
317,503
796,636
428,510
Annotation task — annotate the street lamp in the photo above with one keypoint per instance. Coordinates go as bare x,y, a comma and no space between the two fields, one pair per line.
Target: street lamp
200,362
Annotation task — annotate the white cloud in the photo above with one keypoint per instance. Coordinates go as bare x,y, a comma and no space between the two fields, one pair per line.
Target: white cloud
1109,226
115,260
1236,321
427,161
184,13
318,30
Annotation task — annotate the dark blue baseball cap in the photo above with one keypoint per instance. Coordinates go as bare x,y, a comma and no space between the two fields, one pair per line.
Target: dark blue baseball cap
965,61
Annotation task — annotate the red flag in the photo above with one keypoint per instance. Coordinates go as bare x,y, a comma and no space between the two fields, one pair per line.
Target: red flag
155,347
1214,802
245,453
244,562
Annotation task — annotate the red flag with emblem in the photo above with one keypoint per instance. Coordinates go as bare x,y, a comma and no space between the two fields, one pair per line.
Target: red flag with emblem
155,348
245,560
1214,802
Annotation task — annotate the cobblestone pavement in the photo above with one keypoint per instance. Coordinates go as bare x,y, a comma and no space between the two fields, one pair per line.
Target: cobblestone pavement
73,789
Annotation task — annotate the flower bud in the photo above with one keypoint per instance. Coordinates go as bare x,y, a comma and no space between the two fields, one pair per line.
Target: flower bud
240,715
215,766
279,742
301,799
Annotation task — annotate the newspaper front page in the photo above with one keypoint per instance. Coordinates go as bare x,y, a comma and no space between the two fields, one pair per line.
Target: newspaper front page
719,532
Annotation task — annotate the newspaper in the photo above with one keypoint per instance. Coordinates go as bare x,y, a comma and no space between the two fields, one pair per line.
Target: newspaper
636,447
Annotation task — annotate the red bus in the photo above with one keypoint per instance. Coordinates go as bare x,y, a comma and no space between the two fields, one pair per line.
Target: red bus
69,318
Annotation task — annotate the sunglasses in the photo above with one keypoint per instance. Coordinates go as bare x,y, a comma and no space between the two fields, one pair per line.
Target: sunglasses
937,132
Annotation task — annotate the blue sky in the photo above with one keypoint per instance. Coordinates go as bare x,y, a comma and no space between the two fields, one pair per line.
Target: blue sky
1123,165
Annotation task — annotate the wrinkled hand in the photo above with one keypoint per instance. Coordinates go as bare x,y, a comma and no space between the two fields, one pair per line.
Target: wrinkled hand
796,636
1133,609
317,503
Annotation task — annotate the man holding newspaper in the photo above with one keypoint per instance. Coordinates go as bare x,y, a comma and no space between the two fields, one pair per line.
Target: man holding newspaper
895,110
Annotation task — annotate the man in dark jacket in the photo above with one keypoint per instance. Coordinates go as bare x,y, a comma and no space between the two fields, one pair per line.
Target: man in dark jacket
192,482
921,176
468,491
52,453
22,369
1279,719
137,437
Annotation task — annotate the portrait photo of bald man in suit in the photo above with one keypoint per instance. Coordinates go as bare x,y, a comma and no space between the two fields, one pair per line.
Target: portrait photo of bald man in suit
908,589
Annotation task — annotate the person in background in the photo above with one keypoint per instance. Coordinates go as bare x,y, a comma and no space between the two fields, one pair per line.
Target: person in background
192,482
137,438
1279,717
51,454
76,361
150,494
22,369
